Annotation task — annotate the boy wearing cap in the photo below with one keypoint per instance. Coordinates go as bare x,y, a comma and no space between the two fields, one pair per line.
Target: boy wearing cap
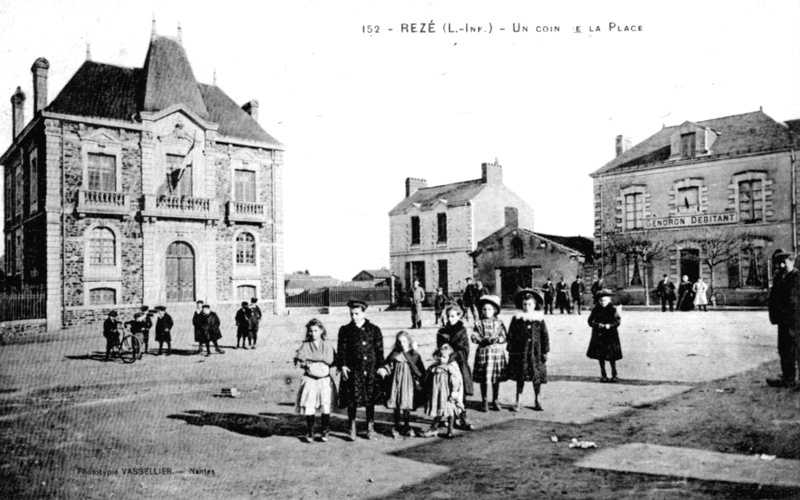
164,325
210,323
359,355
784,311
111,332
243,324
255,322
197,323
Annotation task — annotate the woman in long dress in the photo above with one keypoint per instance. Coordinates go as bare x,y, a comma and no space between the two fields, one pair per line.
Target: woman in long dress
700,299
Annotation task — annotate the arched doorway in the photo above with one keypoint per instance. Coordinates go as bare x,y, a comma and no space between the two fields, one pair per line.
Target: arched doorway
180,272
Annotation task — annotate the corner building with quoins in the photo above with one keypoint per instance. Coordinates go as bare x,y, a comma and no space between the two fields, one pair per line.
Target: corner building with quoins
728,178
141,186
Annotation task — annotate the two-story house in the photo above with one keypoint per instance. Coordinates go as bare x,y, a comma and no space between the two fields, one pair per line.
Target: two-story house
141,186
434,229
729,180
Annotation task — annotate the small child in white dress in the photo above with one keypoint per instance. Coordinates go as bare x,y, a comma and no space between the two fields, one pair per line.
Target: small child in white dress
445,391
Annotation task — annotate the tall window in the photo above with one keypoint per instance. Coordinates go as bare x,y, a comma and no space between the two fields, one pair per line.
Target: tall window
688,200
18,190
246,249
180,176
34,178
748,269
102,250
8,199
517,248
443,284
244,186
634,211
415,230
688,145
102,296
102,172
441,222
751,201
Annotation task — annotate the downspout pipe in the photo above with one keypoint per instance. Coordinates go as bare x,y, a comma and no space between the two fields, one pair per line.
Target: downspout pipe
793,160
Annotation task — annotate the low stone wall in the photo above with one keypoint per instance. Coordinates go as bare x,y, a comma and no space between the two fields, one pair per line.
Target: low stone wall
20,331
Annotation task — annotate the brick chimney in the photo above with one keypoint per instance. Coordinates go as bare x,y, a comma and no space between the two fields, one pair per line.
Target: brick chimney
17,113
512,217
413,185
492,173
251,108
39,70
622,144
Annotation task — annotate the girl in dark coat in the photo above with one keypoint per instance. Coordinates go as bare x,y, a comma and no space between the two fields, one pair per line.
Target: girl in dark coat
604,345
359,355
528,345
406,372
454,334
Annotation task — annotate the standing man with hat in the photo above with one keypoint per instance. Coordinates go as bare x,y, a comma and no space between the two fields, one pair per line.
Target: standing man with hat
417,298
784,311
548,290
359,355
469,301
211,333
576,290
164,325
666,293
255,321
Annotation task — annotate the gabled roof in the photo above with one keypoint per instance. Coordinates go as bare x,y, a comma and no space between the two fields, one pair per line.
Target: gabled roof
307,282
737,134
377,273
571,244
457,193
107,91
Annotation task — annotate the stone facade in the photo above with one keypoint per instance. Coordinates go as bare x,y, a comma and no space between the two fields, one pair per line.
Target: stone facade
468,211
163,232
738,191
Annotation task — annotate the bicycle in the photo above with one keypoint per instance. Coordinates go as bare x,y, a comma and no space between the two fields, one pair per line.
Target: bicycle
128,348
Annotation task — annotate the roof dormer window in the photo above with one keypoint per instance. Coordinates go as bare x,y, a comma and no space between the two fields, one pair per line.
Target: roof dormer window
688,142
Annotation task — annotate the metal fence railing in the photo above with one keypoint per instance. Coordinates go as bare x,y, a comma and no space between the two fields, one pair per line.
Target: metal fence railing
337,297
22,306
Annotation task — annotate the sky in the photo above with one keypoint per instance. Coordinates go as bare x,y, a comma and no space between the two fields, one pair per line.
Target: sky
360,112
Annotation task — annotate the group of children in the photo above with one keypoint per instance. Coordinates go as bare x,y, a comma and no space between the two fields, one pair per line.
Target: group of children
519,354
140,327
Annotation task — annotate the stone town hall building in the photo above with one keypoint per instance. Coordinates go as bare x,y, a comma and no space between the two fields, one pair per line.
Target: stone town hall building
141,186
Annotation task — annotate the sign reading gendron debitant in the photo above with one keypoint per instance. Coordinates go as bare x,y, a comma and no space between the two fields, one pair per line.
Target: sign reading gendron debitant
691,220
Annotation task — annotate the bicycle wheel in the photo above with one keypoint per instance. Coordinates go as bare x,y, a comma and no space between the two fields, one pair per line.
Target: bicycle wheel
129,349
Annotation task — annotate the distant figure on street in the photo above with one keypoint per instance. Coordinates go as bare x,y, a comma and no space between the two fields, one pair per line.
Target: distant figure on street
577,290
111,331
209,323
562,296
255,322
242,319
164,326
604,345
700,299
469,299
549,291
666,294
439,304
148,324
417,298
685,298
480,291
197,321
359,355
596,287
784,311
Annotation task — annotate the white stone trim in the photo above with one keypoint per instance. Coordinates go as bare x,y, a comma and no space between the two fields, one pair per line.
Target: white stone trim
88,286
767,213
102,273
688,182
236,283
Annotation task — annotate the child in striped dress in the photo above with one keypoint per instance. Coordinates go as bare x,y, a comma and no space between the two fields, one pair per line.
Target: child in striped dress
445,391
317,391
490,357
407,372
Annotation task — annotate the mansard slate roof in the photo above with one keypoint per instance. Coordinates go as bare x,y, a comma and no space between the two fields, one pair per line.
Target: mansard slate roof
457,193
737,134
106,91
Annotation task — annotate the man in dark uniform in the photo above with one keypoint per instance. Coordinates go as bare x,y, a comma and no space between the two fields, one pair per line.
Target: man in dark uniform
469,301
548,290
576,291
666,292
255,322
784,311
359,355
164,325
210,324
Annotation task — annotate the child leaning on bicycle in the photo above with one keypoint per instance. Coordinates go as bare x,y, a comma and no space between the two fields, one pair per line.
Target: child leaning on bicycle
111,331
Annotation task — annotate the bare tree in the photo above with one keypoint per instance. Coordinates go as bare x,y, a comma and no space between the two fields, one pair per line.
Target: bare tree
716,246
638,245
